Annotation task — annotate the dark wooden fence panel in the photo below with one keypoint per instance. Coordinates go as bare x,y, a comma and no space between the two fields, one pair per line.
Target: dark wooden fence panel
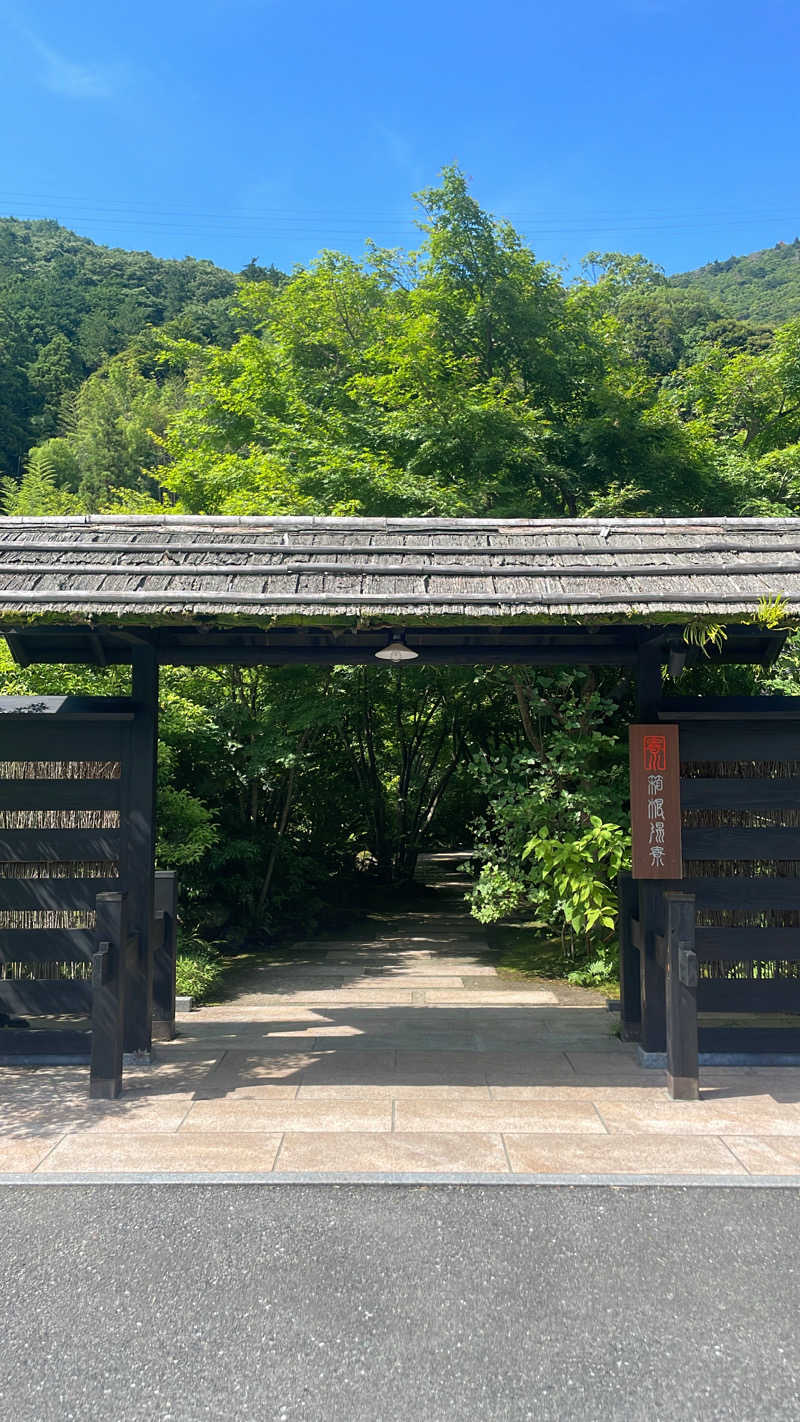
84,731
775,1041
25,738
52,895
57,1044
51,845
45,730
740,966
59,794
36,997
745,793
46,945
756,895
735,945
750,740
741,842
748,995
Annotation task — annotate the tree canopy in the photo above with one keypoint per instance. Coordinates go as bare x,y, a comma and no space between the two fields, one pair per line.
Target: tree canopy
465,377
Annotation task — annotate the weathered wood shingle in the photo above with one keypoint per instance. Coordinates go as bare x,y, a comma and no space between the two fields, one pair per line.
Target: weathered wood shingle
300,569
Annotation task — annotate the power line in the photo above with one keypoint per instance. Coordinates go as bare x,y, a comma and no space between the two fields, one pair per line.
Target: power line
261,228
324,228
346,217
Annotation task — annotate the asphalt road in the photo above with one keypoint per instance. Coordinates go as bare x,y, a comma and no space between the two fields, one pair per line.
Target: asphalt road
354,1303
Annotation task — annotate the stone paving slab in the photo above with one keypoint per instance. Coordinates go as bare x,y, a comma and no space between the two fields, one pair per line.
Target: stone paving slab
590,1155
398,1151
24,1155
751,1115
393,1090
432,1064
327,997
776,1156
464,997
248,1090
562,1117
229,1150
330,1062
638,1095
235,1114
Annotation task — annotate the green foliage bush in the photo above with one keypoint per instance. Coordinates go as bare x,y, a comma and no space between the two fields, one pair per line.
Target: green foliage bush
551,843
577,877
601,968
199,969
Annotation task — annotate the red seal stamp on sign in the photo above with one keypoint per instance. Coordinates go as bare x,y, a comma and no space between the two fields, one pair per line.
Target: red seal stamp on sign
655,752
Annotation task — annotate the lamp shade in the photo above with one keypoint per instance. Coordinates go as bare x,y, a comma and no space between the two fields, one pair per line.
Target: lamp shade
396,650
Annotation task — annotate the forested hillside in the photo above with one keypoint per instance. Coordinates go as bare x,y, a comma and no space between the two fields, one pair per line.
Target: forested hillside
66,305
462,378
762,286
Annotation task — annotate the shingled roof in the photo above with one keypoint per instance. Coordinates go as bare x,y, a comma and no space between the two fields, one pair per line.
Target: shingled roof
385,571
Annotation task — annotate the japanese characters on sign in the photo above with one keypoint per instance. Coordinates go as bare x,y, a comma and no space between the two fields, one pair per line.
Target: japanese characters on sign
655,802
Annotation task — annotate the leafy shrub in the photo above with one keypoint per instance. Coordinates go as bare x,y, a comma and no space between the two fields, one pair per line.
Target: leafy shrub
603,968
186,828
498,892
578,875
199,969
551,842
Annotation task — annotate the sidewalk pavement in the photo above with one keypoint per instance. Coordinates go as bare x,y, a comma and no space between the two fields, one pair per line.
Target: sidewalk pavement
401,1050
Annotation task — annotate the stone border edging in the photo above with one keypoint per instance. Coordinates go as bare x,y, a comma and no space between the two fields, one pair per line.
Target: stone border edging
344,1177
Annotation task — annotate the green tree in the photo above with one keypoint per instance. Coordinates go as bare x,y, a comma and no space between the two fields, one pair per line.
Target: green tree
113,431
751,399
463,378
37,493
55,372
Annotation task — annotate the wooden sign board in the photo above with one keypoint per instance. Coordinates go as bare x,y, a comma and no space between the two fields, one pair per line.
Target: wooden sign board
655,802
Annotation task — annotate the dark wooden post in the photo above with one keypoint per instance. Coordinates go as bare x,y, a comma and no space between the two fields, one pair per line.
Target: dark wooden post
649,681
139,833
652,1038
651,916
681,997
108,995
165,908
630,976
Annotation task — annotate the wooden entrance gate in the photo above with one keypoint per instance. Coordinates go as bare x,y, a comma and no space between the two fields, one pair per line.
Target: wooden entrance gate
203,591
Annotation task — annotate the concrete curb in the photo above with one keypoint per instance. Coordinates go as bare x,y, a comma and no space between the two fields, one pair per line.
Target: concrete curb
344,1177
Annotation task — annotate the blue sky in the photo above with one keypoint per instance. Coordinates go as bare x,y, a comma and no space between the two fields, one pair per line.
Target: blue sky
236,128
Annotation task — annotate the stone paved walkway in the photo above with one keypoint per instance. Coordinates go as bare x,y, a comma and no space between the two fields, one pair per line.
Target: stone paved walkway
401,1050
